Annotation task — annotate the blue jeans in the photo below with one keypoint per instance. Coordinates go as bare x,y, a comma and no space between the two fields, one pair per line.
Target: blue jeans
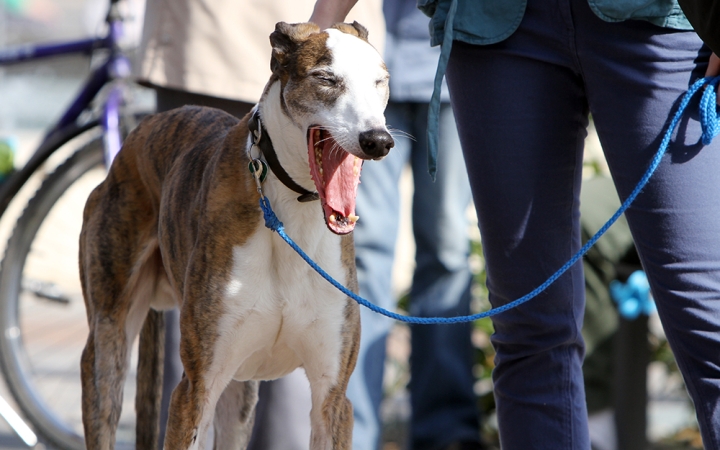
522,109
443,403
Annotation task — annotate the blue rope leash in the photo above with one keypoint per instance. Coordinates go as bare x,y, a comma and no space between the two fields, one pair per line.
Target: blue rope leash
710,126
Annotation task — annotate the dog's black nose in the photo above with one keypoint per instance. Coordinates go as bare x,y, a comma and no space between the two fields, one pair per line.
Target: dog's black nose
376,143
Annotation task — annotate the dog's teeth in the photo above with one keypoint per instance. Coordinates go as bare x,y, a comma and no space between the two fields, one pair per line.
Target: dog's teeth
332,218
317,135
318,161
353,218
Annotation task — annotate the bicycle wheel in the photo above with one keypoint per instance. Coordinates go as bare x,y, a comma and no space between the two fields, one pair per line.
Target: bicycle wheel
42,312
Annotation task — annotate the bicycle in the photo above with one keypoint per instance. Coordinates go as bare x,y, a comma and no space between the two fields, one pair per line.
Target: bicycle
42,313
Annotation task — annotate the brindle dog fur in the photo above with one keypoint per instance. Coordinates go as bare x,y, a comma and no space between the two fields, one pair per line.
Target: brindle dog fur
177,223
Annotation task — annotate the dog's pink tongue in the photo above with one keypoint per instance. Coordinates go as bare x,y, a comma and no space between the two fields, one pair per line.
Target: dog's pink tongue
341,176
336,174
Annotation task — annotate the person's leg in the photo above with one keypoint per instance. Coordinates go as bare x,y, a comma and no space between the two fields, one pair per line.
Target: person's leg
634,83
522,117
378,205
444,406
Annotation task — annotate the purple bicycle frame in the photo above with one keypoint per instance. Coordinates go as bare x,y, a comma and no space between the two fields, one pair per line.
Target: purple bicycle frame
67,127
116,66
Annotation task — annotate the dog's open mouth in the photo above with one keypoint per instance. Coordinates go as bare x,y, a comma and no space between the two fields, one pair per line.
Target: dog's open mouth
336,174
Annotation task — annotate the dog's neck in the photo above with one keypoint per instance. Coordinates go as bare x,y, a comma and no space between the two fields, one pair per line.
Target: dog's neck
290,143
288,139
262,141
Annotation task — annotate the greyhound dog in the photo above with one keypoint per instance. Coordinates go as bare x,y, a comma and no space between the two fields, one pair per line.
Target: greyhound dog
177,224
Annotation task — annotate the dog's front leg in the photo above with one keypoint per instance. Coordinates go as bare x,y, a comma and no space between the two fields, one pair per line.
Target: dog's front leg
208,378
192,412
331,415
186,427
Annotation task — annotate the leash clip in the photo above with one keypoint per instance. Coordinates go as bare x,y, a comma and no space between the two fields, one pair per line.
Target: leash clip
259,171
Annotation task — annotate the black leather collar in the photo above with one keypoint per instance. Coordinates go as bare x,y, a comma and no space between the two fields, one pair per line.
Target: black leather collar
261,138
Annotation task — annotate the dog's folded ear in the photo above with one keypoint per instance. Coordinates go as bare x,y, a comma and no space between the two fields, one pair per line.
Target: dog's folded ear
353,28
285,40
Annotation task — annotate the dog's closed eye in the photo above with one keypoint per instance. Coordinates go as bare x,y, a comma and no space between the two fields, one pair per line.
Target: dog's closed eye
327,78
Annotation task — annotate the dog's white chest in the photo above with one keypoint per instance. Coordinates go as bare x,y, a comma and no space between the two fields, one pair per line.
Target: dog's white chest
278,309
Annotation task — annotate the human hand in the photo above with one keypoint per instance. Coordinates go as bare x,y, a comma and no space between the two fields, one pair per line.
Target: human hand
713,68
329,12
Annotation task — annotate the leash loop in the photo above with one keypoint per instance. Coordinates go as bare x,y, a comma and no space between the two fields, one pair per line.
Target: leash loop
708,112
710,126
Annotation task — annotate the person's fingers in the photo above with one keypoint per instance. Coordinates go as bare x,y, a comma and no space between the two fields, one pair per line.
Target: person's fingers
329,12
713,68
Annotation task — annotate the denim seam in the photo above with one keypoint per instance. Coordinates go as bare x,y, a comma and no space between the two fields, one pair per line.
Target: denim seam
569,435
690,385
576,332
574,49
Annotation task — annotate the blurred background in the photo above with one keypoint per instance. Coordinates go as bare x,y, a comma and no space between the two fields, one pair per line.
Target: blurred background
32,95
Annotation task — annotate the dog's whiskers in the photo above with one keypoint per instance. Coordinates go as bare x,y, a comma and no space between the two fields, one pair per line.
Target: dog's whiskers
339,148
396,133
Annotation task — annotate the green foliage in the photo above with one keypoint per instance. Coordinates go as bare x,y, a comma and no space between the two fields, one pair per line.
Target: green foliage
7,158
482,330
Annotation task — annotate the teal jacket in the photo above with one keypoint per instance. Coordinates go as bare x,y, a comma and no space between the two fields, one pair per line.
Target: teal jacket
482,22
